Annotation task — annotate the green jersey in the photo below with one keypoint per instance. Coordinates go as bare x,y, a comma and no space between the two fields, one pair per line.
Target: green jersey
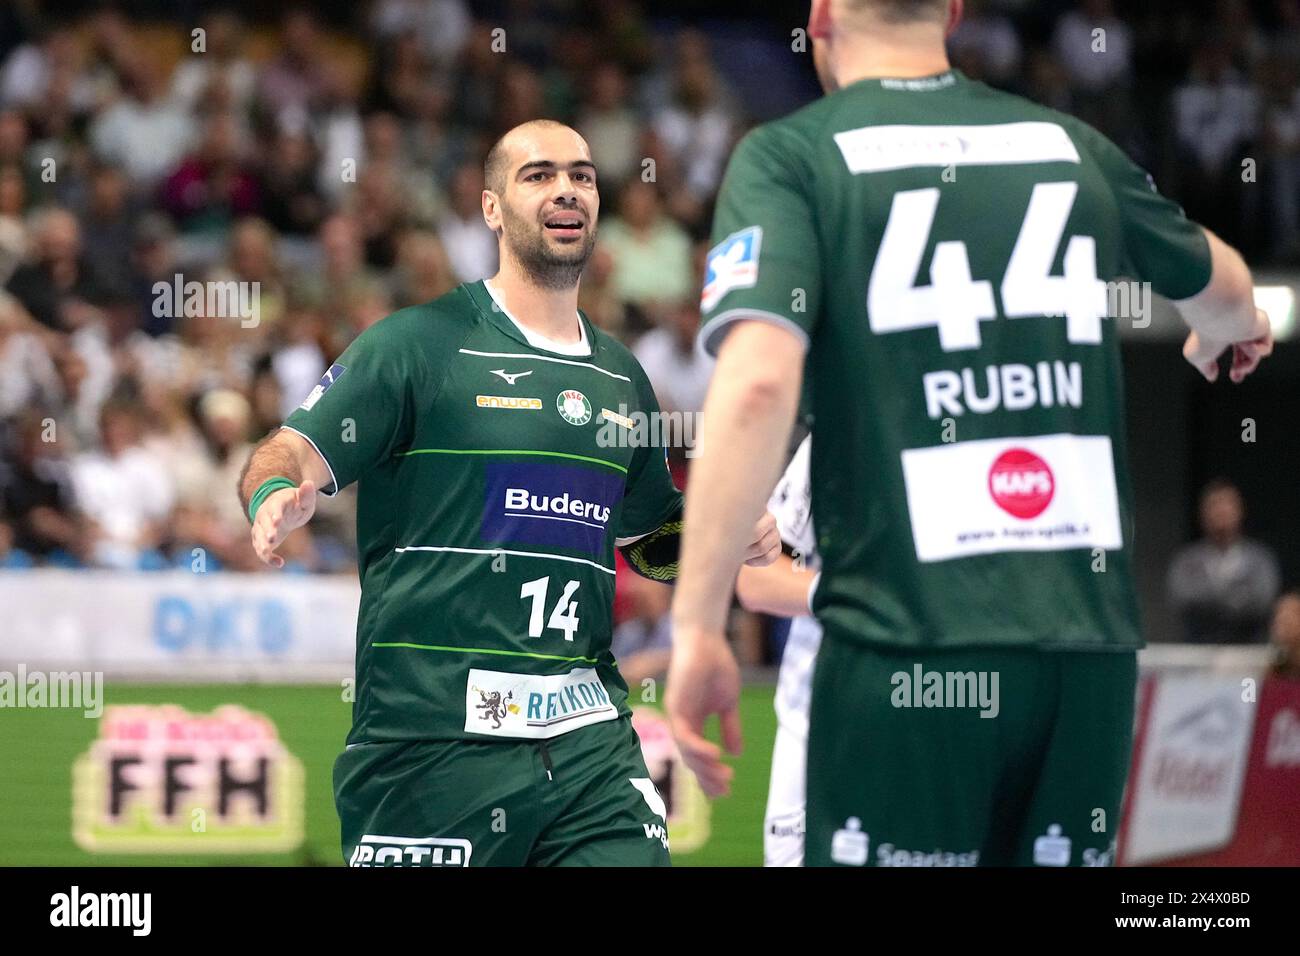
948,253
495,478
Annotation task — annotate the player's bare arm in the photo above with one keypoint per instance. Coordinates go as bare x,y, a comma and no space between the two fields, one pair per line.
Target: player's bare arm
1223,316
748,412
781,589
285,454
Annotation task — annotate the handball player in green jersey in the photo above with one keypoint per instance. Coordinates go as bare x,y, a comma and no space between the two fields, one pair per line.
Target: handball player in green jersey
939,258
488,432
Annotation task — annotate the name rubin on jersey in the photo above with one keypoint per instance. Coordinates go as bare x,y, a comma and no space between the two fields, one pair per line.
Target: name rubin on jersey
1013,387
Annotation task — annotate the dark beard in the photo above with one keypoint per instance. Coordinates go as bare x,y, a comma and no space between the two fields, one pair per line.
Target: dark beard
541,265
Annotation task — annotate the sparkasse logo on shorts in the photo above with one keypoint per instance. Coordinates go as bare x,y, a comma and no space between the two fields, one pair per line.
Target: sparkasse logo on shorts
1021,483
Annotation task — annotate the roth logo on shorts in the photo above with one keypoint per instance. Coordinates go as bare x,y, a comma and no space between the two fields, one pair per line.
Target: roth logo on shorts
536,706
410,851
1021,483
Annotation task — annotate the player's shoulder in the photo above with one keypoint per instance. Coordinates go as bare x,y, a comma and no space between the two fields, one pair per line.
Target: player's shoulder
438,322
1016,108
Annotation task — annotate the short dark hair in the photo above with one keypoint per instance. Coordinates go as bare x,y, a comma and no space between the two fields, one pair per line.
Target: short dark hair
901,11
494,165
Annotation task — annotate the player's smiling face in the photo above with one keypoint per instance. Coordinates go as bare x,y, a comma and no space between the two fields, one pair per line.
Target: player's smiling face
550,204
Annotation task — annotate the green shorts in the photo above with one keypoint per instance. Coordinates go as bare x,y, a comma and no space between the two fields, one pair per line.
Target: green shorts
581,799
989,757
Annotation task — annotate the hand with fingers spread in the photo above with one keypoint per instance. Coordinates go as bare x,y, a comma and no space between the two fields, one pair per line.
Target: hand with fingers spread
282,512
704,679
1203,353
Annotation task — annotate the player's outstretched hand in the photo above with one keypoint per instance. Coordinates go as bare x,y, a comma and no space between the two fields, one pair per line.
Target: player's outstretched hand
703,679
765,546
280,513
1204,353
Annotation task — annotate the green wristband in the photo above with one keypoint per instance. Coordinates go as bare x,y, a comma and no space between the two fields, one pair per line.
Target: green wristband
265,490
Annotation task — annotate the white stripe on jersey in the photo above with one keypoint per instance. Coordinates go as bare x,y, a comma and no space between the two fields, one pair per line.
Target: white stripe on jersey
874,149
495,551
545,358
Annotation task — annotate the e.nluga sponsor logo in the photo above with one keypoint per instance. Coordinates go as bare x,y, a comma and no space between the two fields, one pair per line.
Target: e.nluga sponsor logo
509,402
160,779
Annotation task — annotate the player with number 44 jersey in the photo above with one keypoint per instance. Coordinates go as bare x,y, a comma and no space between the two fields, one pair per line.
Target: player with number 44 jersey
939,258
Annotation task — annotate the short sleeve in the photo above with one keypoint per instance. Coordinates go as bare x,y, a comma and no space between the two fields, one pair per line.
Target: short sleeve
650,498
764,263
361,412
1161,245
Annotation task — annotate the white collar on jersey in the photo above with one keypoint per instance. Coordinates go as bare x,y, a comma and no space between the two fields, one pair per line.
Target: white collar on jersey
579,348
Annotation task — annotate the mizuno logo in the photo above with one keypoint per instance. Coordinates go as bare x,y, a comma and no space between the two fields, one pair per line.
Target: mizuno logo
510,377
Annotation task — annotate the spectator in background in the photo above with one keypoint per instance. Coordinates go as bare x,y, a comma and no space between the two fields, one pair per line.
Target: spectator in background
15,152
213,186
145,132
423,269
291,200
221,65
265,398
597,297
1216,115
679,371
699,125
85,378
27,375
251,257
440,27
123,492
298,363
34,70
153,260
296,82
985,46
207,514
652,253
610,125
1095,47
343,266
643,641
1223,586
36,493
108,225
13,227
1285,635
380,211
385,146
1280,137
469,243
59,284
